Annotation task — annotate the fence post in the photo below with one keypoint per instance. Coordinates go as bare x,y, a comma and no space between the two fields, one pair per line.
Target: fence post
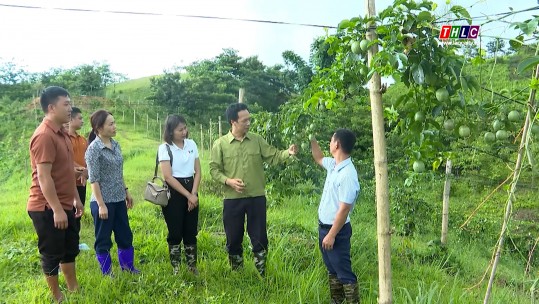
159,127
147,125
220,130
134,119
35,111
209,141
201,139
241,93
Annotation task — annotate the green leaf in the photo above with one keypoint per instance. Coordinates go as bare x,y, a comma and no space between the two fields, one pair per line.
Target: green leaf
464,84
473,83
460,11
417,74
523,26
408,24
424,16
517,42
408,182
527,63
436,165
397,76
382,30
453,72
478,60
437,110
462,100
344,24
403,58
532,26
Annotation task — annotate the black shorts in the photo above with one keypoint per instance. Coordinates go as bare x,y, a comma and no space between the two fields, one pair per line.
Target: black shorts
55,245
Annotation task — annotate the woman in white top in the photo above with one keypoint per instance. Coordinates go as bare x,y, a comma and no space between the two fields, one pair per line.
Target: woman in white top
182,174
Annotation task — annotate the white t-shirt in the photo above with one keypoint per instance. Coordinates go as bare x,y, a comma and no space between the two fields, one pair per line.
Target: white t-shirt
183,160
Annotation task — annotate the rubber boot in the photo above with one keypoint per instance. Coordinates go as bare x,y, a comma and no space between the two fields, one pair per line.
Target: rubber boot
351,293
191,258
174,252
336,289
126,258
260,261
236,261
105,263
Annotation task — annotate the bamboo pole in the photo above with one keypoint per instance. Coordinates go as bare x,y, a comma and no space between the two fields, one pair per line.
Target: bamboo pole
516,175
445,208
380,167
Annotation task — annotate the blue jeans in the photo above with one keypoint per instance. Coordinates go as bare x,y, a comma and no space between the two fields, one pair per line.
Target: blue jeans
117,221
338,260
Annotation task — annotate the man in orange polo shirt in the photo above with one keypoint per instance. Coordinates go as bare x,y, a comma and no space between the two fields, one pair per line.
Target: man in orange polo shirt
79,149
53,192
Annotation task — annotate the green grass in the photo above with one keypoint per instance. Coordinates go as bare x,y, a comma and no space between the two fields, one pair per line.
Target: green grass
421,273
135,89
133,84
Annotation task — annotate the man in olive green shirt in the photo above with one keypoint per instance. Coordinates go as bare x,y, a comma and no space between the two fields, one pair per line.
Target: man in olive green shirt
237,161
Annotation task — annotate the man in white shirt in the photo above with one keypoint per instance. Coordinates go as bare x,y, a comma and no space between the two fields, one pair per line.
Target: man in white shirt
338,199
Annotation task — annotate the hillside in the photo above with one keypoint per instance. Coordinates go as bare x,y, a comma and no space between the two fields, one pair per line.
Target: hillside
135,89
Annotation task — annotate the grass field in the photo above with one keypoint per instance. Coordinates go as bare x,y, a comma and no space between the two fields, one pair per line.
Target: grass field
295,274
135,89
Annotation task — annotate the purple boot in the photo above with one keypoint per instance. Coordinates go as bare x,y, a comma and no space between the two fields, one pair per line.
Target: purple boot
126,258
105,263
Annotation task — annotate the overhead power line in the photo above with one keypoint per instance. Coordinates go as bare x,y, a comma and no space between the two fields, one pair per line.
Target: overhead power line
508,13
505,14
167,14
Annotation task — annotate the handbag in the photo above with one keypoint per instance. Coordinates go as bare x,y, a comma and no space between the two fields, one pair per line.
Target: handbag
155,193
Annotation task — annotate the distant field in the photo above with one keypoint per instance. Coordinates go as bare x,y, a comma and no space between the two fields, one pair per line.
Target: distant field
134,89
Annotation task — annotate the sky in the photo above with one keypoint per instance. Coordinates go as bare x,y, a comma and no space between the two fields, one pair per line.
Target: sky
141,45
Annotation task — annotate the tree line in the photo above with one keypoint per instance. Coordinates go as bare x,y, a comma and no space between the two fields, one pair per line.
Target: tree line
17,83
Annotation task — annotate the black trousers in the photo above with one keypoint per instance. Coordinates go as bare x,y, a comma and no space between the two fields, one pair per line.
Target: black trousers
234,212
182,224
82,195
55,245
